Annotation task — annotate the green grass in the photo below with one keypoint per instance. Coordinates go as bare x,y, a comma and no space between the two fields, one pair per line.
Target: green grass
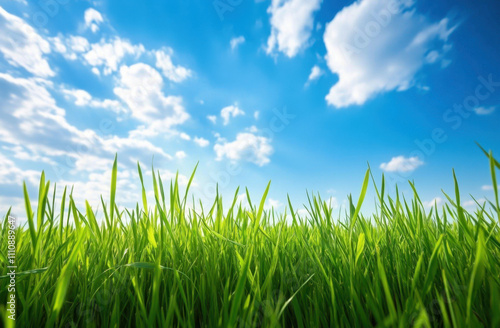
165,264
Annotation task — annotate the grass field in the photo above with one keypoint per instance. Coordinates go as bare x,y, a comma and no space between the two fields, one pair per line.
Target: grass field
170,265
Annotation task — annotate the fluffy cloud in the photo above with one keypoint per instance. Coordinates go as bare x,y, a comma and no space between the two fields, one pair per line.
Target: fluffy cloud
22,46
140,87
93,19
230,111
169,70
33,125
235,42
247,146
201,142
108,54
401,164
291,24
36,130
377,46
212,118
180,154
184,136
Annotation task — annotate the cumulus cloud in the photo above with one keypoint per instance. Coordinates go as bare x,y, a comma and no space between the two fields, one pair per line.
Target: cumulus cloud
230,111
377,46
109,54
34,126
22,46
247,147
291,24
402,164
169,70
484,110
140,87
202,142
93,19
235,42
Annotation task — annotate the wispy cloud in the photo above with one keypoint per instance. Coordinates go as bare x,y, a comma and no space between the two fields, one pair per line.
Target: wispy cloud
230,111
484,110
236,42
315,74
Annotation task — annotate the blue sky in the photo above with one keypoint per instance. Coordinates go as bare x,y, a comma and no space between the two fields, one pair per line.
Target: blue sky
301,92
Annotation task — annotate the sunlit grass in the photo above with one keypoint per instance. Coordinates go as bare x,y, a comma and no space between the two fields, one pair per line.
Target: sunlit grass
167,264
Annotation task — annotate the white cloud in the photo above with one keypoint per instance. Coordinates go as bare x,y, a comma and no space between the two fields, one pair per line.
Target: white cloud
83,99
315,74
33,125
11,174
184,136
436,201
109,54
169,70
333,202
248,147
472,203
22,46
488,187
212,118
235,42
256,115
93,19
401,164
242,200
302,212
273,204
78,43
180,154
230,111
484,110
140,87
202,142
291,24
377,46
